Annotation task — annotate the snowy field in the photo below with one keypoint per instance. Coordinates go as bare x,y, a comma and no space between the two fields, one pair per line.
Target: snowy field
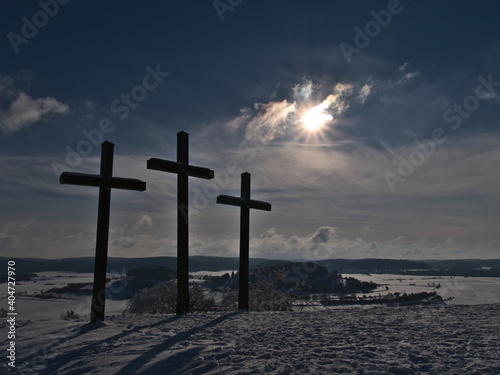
455,339
460,337
461,290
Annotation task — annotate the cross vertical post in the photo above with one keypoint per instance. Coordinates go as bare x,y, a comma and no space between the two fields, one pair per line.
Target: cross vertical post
182,225
104,181
183,170
245,203
102,236
243,293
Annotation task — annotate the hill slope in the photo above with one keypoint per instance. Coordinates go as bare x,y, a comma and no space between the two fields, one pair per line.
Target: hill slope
397,340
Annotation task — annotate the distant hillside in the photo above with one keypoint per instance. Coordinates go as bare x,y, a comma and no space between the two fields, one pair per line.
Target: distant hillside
123,265
465,267
457,267
152,272
373,265
465,264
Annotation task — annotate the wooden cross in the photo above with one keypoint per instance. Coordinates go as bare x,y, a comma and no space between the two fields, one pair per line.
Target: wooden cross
246,204
183,170
105,182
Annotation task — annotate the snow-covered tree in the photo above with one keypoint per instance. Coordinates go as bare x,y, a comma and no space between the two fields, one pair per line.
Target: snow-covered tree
266,294
162,299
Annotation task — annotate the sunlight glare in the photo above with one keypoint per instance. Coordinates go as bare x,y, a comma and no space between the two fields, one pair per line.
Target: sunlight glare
316,117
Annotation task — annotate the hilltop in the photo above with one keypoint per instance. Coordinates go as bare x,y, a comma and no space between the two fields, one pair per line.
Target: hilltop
373,340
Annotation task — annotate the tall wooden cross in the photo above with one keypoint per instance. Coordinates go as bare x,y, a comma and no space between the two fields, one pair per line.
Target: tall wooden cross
183,170
246,204
105,182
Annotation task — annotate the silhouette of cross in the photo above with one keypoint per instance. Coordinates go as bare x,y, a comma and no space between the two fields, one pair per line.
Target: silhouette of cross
246,204
105,182
183,170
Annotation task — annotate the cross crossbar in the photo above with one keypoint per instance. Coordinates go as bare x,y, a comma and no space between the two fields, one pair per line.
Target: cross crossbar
83,179
177,167
240,202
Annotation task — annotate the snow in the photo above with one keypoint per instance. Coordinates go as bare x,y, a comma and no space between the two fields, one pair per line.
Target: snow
454,338
463,290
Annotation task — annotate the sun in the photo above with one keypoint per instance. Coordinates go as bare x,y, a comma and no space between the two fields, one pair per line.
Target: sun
316,117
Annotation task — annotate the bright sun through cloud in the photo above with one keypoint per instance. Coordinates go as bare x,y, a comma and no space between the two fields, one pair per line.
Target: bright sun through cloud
316,117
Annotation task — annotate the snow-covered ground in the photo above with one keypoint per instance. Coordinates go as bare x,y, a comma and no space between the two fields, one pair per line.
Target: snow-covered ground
462,290
460,337
455,339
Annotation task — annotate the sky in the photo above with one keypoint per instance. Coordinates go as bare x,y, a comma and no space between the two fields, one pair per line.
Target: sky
370,126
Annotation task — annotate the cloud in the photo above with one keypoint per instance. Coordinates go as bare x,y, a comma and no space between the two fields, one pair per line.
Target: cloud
141,222
323,235
303,91
364,92
13,232
25,111
240,120
325,243
270,121
334,243
407,75
142,245
19,110
343,89
6,86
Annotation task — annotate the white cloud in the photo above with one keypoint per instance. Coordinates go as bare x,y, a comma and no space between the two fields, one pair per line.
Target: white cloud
407,76
25,111
271,120
18,110
239,121
268,121
364,92
344,89
141,222
303,91
325,243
